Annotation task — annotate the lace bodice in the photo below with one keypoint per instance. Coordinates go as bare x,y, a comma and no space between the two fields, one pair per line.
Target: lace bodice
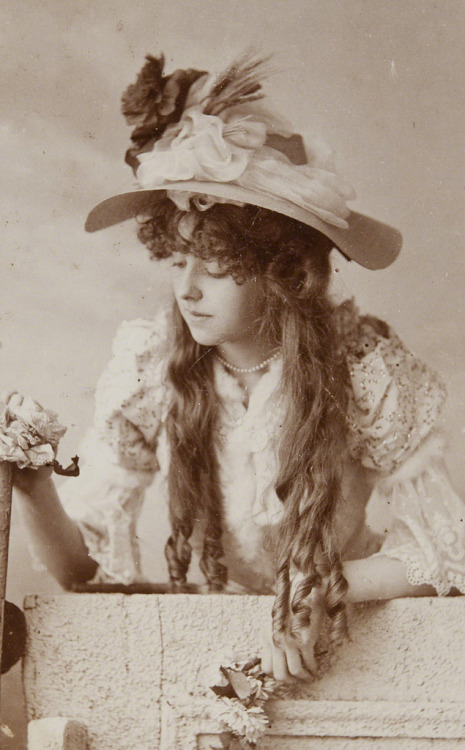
394,403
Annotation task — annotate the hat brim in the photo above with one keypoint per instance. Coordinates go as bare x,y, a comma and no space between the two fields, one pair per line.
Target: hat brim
369,242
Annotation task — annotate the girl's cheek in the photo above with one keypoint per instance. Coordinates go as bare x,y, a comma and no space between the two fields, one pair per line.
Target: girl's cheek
176,283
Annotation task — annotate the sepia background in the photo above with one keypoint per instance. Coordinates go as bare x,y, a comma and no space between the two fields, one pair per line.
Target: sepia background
382,80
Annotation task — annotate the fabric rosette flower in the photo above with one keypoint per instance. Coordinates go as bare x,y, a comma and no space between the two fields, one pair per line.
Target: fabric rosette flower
201,147
206,148
29,434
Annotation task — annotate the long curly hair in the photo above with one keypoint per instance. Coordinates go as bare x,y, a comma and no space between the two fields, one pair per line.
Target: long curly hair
292,262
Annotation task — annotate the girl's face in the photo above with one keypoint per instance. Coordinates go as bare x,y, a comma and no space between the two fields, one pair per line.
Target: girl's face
215,308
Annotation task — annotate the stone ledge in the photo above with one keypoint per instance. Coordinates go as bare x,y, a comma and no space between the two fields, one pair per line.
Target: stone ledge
402,721
133,669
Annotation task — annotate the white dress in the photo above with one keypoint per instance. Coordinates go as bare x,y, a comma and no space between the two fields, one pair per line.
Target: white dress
394,404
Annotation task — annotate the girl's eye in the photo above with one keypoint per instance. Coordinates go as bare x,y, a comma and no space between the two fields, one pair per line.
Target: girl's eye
178,263
216,271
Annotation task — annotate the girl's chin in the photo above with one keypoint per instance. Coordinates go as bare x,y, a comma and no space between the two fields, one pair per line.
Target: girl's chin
203,338
203,341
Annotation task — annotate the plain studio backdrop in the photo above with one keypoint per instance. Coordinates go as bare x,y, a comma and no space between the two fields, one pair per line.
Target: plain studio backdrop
381,80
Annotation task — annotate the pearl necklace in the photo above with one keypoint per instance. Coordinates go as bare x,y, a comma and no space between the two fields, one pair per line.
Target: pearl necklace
244,370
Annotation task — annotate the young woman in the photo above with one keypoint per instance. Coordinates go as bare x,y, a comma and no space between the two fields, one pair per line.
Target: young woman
269,411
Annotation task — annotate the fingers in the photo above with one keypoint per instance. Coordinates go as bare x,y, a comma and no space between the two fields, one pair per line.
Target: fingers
267,653
14,400
297,666
280,668
274,664
307,653
274,661
296,656
270,660
11,398
287,663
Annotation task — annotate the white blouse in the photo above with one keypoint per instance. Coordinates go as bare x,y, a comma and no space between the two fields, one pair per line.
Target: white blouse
394,404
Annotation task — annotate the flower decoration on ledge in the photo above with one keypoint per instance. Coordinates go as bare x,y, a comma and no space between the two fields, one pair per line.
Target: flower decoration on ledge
242,692
29,437
201,127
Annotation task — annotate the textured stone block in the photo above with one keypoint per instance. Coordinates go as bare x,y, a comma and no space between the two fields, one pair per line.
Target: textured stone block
134,670
97,659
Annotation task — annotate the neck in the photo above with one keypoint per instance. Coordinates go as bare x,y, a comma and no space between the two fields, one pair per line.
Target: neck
245,354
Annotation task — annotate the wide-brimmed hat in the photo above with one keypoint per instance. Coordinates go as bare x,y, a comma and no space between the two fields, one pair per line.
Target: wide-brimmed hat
203,139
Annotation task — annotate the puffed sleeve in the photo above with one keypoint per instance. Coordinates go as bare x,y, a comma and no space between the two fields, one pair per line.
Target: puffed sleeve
394,398
118,456
428,528
394,404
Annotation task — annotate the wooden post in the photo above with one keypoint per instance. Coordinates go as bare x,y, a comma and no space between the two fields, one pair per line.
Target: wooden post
5,514
56,733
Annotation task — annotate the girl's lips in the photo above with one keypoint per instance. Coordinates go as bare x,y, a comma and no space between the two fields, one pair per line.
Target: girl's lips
197,314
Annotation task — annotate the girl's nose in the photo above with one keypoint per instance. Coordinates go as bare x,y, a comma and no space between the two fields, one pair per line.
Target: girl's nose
189,288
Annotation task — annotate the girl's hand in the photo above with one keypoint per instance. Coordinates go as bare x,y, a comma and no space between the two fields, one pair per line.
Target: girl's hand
30,481
296,657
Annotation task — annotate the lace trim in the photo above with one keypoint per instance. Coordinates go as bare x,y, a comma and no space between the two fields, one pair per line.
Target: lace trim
429,530
259,422
113,543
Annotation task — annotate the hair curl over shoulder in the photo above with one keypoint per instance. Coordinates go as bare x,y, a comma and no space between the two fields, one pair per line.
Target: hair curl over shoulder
292,261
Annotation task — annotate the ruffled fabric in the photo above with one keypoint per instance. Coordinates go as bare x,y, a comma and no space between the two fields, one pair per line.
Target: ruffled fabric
428,531
131,395
106,502
394,402
248,465
119,456
394,399
232,149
